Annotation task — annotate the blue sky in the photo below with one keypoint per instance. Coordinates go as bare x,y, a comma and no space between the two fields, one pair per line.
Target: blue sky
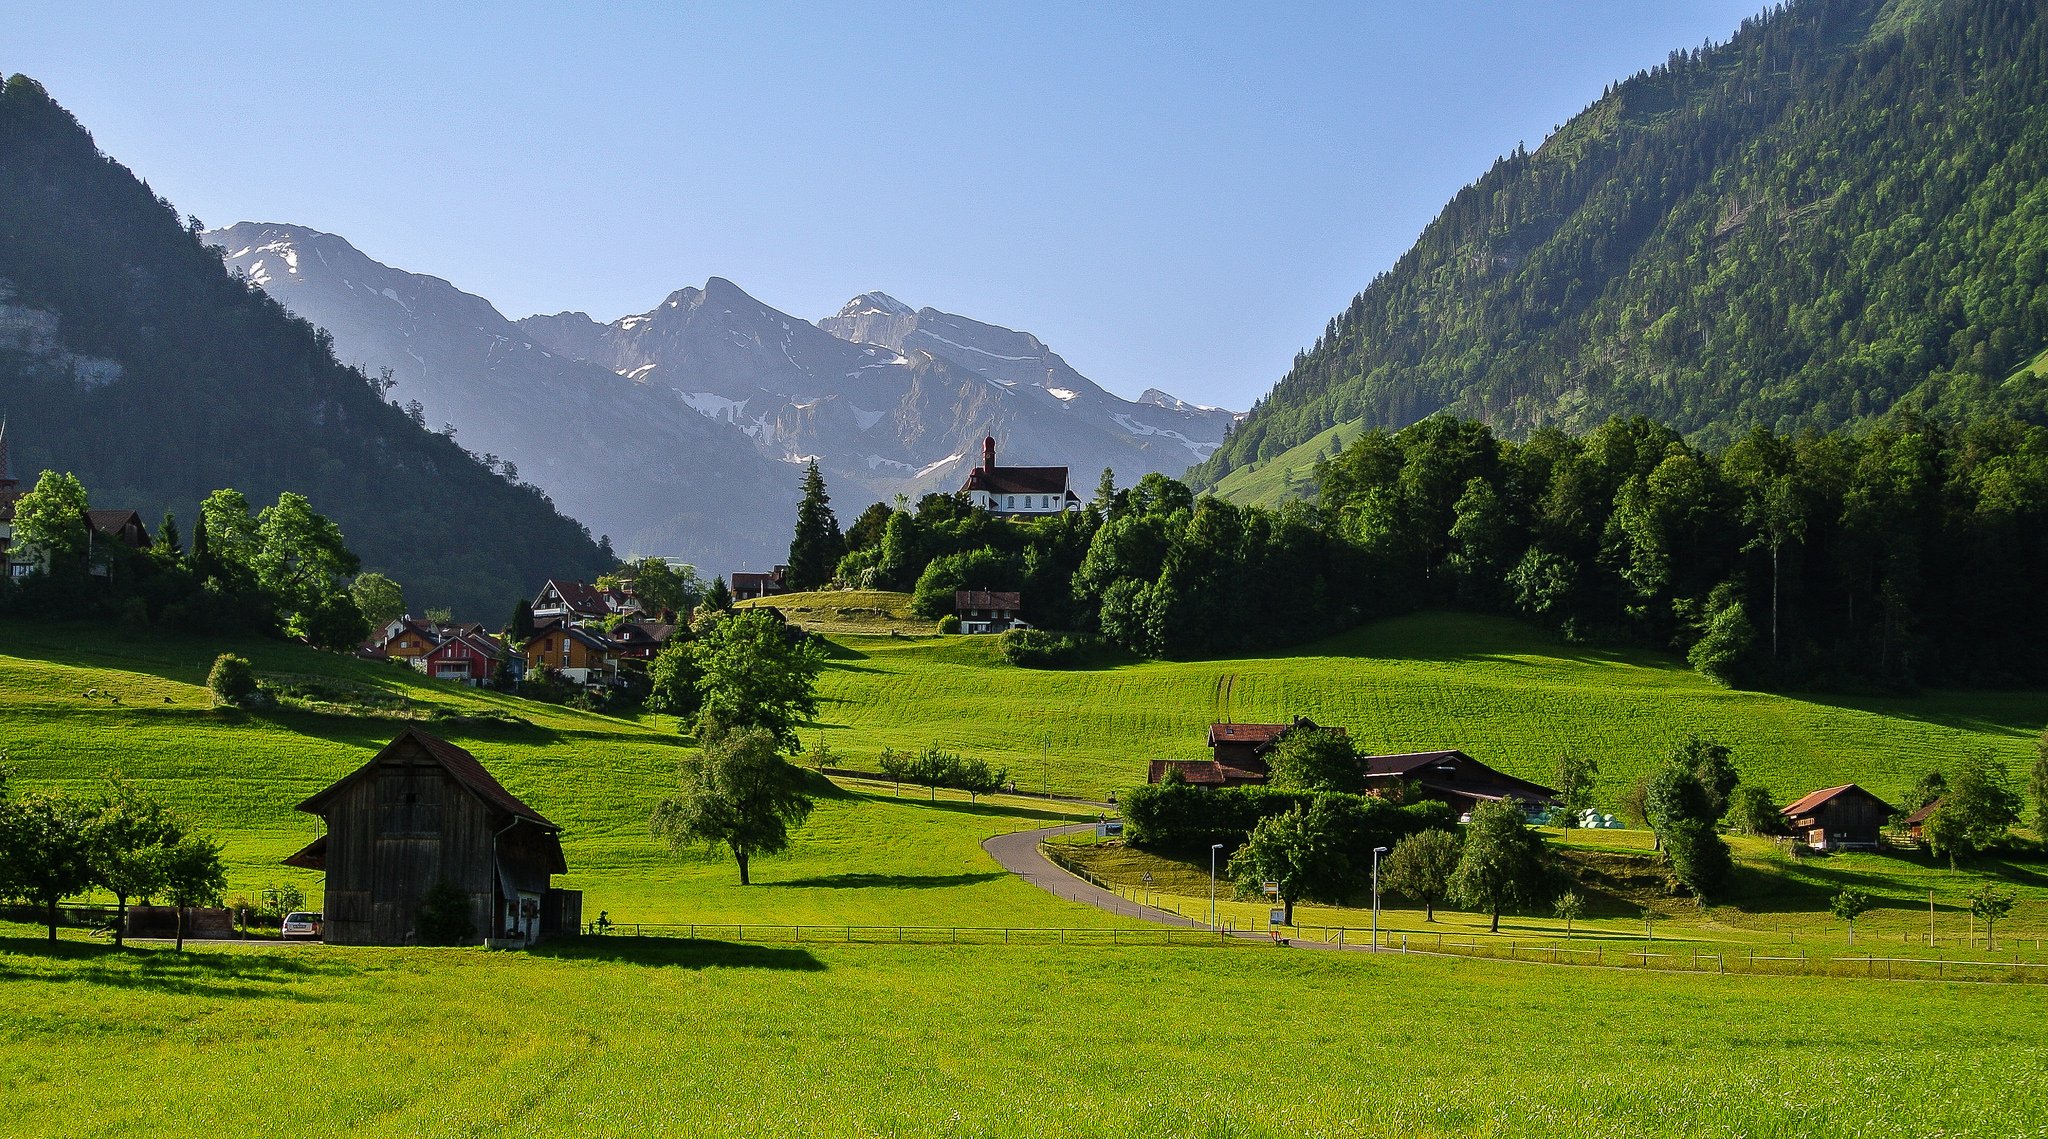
1171,195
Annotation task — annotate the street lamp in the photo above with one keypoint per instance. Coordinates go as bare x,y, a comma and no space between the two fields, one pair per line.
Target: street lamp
1376,852
1213,848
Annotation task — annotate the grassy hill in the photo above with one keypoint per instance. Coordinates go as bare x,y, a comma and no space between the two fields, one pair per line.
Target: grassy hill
1289,474
858,612
1492,687
80,702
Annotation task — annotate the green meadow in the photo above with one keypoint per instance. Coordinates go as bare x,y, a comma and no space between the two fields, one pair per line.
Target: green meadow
80,702
625,1036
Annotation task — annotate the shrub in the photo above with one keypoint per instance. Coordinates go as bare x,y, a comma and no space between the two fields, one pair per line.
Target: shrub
232,681
1181,818
1037,648
444,916
949,624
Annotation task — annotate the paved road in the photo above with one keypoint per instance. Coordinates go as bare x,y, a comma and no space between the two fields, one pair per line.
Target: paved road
1019,854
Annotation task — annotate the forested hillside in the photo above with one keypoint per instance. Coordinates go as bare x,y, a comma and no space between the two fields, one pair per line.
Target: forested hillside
1840,211
129,356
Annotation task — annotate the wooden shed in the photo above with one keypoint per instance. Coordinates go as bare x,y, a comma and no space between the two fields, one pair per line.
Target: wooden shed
1837,818
423,812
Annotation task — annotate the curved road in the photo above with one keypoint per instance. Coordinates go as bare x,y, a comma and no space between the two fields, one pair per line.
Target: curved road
1019,854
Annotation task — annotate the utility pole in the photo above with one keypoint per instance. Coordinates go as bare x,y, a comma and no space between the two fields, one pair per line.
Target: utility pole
1213,848
1376,852
1046,758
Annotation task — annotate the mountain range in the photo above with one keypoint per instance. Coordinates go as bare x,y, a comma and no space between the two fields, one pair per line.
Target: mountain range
682,431
1839,214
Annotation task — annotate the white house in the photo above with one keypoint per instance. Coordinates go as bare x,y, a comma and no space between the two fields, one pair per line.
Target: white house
1018,492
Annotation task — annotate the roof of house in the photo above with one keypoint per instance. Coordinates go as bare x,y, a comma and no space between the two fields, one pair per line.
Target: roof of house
1260,733
1813,799
582,596
476,642
597,642
112,522
986,599
456,762
1018,480
753,577
1920,816
1424,767
642,632
1206,772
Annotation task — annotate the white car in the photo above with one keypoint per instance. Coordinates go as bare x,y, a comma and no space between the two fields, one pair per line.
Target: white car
299,923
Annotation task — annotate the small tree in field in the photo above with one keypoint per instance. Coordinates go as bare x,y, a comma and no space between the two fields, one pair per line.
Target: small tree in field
1849,904
232,681
1502,864
129,831
1576,775
738,793
1420,867
46,848
1751,810
896,765
192,875
1568,906
1301,851
1988,905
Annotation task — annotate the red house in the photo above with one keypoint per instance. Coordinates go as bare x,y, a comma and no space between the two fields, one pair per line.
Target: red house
471,658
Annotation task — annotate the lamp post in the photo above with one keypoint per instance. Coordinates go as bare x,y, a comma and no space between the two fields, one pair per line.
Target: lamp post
1376,852
1213,848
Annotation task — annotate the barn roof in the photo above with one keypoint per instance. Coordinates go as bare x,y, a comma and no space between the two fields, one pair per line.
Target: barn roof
1920,816
987,599
1813,799
1203,772
1477,781
459,764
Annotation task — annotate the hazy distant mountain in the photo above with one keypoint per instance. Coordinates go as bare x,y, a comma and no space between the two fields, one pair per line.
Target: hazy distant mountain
891,399
629,460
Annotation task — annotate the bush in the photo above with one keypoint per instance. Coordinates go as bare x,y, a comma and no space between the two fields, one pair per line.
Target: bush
1037,648
232,681
1181,818
949,624
444,916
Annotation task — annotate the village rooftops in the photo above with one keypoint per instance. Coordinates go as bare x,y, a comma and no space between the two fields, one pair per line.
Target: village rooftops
983,599
1204,772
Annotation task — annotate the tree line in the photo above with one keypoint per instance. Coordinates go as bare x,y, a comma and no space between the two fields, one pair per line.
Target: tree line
1893,556
282,571
55,845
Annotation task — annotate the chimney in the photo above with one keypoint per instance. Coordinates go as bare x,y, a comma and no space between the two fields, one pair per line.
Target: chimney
988,453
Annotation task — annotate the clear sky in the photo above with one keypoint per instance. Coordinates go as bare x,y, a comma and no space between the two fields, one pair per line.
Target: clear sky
1171,195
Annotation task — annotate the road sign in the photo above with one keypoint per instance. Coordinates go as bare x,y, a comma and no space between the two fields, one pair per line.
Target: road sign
1276,917
1272,889
1148,877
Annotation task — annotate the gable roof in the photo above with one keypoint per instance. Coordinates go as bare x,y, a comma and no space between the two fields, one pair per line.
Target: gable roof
475,642
986,599
1261,733
459,764
1203,772
113,522
1920,816
1018,480
1813,799
1478,781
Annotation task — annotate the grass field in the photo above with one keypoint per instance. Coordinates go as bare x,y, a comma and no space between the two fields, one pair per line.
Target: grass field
625,1036
849,611
1492,687
1488,686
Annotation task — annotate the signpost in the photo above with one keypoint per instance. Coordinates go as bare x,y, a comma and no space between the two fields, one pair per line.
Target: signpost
1148,887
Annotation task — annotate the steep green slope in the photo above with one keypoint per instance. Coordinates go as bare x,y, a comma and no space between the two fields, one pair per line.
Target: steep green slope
1843,207
130,357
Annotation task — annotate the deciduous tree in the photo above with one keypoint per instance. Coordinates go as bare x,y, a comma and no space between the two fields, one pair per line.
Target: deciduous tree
737,793
1849,904
191,874
1301,850
758,672
46,849
1421,867
1316,759
380,599
128,833
1502,864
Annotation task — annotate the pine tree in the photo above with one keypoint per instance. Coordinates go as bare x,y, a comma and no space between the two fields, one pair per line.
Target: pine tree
522,622
167,539
817,545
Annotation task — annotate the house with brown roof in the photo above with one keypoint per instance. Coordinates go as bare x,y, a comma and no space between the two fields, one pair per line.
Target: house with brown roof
748,586
1450,777
423,812
1237,754
582,656
1915,824
580,601
988,611
639,640
1838,818
1018,492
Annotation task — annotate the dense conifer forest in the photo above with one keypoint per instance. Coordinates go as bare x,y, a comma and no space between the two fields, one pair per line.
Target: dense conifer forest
131,358
1840,212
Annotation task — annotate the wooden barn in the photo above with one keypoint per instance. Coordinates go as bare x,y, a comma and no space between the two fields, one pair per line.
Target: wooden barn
1838,818
424,812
